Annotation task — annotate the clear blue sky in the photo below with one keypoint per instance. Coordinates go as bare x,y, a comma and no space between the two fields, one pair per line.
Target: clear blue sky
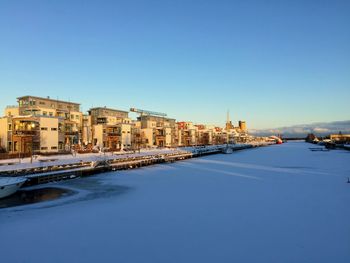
272,63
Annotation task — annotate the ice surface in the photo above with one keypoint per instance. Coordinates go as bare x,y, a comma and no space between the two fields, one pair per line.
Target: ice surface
280,203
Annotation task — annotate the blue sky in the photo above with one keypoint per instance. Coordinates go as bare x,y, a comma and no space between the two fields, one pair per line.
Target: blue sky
272,63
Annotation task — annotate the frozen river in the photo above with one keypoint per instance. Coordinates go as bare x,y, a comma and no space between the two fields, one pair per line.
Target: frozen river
282,203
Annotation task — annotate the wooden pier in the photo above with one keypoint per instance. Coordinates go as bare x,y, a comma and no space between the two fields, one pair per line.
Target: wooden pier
55,172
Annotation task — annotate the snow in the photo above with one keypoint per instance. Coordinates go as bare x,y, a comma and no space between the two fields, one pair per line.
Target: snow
281,203
58,160
11,180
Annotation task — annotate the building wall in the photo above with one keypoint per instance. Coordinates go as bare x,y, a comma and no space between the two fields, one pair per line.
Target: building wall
86,130
4,133
179,137
98,135
48,134
77,117
147,137
125,135
242,125
11,111
168,137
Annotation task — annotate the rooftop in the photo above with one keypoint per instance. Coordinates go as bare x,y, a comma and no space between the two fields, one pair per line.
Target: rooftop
105,108
47,98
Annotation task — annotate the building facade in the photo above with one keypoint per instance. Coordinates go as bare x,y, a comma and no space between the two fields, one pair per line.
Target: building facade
110,129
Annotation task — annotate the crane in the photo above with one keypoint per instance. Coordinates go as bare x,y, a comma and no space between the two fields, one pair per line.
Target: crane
148,113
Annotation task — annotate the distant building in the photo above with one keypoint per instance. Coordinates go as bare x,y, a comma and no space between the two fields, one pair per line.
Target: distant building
341,138
242,125
187,133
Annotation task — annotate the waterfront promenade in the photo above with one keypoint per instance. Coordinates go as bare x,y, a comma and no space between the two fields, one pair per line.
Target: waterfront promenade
281,203
60,167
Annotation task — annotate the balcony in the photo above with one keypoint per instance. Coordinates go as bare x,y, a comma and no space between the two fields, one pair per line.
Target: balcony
24,132
113,133
101,120
72,133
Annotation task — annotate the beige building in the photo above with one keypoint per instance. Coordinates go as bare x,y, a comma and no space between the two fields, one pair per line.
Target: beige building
187,134
157,131
87,131
104,115
68,112
341,138
30,134
110,129
5,133
242,126
11,111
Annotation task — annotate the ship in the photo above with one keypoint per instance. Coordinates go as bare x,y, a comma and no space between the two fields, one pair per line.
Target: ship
10,185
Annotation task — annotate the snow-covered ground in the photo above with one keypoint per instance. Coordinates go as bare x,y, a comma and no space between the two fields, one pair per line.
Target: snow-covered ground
282,203
57,160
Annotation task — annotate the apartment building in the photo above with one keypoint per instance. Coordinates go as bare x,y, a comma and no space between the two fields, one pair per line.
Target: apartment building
69,112
157,131
104,115
110,129
5,133
6,128
242,126
40,124
204,135
30,134
187,134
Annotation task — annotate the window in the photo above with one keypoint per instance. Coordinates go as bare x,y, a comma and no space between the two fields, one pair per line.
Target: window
42,103
54,148
10,127
45,113
43,128
53,129
43,148
50,114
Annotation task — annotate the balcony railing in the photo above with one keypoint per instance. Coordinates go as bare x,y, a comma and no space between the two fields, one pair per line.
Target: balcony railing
113,133
25,132
71,132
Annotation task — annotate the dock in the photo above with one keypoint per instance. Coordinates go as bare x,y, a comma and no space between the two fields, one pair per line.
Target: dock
64,169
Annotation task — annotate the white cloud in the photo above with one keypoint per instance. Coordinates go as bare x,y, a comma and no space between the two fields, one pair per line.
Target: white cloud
320,129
